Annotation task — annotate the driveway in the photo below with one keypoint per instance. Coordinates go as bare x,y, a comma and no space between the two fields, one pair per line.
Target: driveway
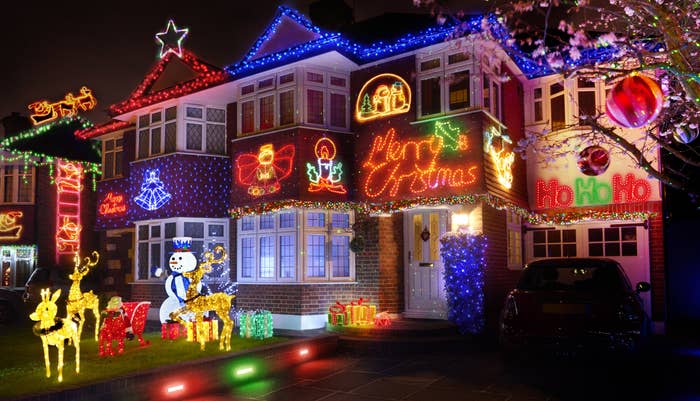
660,373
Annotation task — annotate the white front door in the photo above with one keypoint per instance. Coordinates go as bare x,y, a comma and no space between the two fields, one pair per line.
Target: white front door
425,285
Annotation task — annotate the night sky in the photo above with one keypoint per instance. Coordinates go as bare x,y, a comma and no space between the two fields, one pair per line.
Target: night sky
59,46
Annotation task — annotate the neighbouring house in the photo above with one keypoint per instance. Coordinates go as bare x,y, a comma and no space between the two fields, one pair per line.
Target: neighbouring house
47,196
330,164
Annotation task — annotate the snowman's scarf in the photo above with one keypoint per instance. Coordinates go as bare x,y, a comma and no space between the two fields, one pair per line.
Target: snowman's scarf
173,285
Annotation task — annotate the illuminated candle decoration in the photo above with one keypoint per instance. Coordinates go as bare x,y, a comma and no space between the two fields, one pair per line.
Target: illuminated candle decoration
10,229
256,324
68,182
495,147
262,172
153,194
43,111
394,164
452,137
382,96
170,39
113,204
327,173
55,331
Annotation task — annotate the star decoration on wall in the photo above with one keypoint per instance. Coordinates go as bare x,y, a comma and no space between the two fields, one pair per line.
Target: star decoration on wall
171,39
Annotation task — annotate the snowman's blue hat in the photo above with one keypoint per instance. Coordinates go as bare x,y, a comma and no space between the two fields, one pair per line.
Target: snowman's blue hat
182,244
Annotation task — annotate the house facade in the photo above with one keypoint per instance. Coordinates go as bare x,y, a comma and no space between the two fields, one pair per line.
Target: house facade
330,164
47,198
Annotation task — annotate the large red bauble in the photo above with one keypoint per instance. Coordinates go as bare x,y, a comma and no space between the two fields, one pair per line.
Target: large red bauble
634,102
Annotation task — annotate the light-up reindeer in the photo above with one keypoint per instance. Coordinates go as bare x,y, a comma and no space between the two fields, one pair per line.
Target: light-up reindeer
55,331
197,303
79,301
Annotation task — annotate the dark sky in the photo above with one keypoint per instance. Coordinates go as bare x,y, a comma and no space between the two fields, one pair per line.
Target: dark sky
109,46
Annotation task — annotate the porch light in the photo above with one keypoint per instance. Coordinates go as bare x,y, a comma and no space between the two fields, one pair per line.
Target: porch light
460,222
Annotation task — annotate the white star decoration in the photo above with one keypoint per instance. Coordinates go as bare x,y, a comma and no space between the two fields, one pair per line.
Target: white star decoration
171,39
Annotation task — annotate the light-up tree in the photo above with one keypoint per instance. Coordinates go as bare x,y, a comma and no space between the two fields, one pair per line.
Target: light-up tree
660,38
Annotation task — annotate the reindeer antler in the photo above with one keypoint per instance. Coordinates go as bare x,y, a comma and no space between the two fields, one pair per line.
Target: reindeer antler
88,262
209,258
45,294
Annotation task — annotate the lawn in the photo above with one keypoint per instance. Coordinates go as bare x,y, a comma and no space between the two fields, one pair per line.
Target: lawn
22,369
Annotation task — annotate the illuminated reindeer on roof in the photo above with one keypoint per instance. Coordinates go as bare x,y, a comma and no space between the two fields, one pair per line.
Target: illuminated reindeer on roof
55,331
198,304
78,301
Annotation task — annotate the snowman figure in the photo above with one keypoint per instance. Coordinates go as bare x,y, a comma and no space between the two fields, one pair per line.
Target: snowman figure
181,261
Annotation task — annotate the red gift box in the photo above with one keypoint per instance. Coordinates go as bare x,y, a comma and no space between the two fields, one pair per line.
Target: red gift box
172,331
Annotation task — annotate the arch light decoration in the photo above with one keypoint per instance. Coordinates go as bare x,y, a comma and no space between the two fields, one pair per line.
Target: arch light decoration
382,96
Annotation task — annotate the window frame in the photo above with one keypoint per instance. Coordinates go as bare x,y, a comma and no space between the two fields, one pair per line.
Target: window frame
117,151
151,127
179,232
203,122
18,172
514,246
444,71
300,232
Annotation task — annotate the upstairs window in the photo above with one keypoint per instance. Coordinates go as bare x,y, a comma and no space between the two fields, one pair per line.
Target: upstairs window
537,112
586,95
430,96
157,133
205,129
459,90
17,184
556,106
112,156
444,83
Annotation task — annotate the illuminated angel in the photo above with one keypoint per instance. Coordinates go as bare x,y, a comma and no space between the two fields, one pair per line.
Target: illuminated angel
263,172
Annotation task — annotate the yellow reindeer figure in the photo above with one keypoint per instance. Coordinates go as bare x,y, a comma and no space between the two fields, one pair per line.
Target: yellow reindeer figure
79,301
197,303
54,331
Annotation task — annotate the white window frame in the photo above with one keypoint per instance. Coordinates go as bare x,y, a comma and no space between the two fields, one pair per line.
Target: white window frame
332,91
300,232
179,232
514,238
18,175
258,93
118,151
443,72
202,122
151,127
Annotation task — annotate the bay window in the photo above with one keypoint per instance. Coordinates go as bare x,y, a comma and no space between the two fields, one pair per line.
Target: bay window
295,246
586,95
154,242
112,156
205,129
444,83
556,106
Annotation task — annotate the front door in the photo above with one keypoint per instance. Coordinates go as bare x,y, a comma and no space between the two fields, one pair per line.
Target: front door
425,285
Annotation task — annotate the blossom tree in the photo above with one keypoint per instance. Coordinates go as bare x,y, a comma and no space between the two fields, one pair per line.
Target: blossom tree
657,38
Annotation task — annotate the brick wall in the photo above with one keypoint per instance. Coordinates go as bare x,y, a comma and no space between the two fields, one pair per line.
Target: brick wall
155,293
391,278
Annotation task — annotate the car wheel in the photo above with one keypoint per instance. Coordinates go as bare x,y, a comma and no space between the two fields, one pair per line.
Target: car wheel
7,313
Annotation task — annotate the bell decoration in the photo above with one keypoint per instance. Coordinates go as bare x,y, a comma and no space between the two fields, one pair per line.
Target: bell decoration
634,101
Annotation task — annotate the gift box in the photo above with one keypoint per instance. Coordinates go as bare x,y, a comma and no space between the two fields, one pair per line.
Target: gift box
256,324
172,331
355,313
337,314
210,330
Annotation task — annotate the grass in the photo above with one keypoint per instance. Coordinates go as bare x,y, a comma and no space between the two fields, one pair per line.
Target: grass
22,370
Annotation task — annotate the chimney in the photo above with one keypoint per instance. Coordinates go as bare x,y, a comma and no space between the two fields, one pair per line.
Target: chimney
14,124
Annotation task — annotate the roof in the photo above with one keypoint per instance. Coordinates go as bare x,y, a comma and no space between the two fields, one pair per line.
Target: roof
171,77
391,34
104,128
55,140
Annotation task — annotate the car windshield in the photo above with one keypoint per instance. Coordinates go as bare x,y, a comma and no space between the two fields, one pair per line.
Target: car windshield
600,279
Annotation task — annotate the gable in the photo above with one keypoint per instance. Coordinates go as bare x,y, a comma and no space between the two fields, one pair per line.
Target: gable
171,77
288,33
175,72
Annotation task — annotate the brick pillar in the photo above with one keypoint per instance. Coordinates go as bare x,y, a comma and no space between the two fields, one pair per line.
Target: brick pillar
391,281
